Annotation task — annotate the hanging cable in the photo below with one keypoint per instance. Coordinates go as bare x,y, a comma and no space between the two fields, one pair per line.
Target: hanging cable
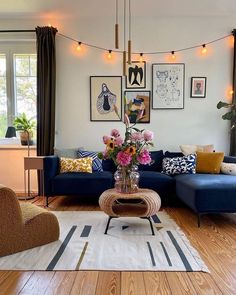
129,41
124,51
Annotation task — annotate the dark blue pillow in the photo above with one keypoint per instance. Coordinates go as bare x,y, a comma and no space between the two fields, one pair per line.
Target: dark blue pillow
108,165
97,163
157,157
173,154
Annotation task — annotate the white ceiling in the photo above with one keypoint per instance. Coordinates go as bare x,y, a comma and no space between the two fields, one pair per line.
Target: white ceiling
105,8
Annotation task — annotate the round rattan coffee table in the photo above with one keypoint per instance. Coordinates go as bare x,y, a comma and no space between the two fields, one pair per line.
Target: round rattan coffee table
144,203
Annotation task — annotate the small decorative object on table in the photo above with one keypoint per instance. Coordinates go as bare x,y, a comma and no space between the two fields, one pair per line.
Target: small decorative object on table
127,153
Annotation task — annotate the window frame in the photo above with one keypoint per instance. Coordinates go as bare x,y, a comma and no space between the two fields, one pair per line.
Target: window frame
9,49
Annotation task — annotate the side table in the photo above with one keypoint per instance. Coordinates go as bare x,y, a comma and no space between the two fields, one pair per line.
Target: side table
144,203
32,163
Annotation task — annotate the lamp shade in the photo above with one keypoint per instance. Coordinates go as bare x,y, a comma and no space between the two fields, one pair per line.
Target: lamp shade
11,132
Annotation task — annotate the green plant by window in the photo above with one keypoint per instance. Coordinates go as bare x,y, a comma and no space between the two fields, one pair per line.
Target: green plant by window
22,123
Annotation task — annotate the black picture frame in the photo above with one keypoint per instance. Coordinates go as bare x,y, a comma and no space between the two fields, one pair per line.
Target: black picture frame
142,106
105,100
198,87
136,68
168,86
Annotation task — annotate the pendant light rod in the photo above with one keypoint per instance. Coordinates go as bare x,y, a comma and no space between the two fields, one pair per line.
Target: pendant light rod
129,41
124,52
117,27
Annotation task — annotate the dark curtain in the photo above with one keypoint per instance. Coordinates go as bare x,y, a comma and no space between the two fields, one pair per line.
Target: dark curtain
46,84
233,131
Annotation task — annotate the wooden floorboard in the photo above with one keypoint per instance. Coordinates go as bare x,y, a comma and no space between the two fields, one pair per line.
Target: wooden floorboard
215,240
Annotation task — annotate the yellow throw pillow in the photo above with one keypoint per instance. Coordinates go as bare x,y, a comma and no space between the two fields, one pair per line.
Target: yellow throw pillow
76,165
209,162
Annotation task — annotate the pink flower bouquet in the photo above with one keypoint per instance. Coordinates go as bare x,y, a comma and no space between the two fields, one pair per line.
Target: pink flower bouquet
133,149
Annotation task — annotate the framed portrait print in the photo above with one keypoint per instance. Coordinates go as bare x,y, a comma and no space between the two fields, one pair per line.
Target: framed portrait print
105,98
136,75
198,87
168,86
137,106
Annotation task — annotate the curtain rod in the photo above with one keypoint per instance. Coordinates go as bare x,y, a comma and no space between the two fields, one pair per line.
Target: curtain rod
17,31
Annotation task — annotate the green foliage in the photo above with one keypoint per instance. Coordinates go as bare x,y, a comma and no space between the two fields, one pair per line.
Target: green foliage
231,115
22,123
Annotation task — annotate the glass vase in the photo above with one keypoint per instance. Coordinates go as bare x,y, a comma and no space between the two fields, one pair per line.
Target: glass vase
127,179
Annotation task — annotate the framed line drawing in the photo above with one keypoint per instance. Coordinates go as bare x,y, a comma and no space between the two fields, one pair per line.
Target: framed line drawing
198,87
136,75
137,105
168,85
105,98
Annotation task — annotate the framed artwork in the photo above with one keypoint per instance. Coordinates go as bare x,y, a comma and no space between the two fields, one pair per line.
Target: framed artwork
168,86
136,75
105,98
198,87
137,106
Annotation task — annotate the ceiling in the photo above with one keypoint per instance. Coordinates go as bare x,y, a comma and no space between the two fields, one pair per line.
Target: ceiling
106,8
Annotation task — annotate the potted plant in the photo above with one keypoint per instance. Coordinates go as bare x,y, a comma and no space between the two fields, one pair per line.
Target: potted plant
26,127
231,114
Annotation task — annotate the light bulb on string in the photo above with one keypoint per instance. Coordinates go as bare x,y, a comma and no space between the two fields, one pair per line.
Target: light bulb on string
141,57
231,92
204,49
78,48
173,55
109,56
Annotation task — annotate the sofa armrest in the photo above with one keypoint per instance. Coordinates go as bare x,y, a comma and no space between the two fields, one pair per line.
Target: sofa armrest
51,169
229,159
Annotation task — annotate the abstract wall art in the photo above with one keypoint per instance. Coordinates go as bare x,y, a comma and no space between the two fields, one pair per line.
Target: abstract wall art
136,75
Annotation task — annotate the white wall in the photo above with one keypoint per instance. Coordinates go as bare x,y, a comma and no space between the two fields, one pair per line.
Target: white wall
199,122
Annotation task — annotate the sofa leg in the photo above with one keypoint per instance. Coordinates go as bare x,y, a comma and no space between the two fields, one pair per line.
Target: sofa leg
199,220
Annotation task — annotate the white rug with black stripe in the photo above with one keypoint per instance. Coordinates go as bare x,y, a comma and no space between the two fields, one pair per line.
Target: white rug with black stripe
128,246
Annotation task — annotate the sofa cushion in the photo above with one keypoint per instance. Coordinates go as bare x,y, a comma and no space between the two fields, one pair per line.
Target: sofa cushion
97,163
108,165
179,165
207,192
76,165
66,152
84,184
228,168
173,154
209,162
157,157
163,184
193,148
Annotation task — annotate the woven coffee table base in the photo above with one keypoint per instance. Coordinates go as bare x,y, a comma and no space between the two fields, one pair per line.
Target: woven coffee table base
143,204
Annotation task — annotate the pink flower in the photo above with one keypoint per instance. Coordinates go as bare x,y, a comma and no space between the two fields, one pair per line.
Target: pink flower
106,139
148,135
115,133
119,141
123,158
136,136
105,155
144,157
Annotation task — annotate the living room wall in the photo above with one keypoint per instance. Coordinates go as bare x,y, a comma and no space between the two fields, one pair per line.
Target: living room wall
198,123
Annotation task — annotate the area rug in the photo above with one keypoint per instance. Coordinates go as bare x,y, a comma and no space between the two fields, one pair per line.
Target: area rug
128,246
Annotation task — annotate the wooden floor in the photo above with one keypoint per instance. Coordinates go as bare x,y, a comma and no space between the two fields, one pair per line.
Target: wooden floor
215,241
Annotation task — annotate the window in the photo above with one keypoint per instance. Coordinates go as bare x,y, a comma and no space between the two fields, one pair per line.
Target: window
17,83
3,95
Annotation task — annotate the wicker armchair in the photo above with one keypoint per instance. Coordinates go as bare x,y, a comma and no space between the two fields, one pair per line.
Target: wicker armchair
24,226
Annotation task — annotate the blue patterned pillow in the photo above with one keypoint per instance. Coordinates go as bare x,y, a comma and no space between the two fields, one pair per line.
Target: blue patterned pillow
179,165
97,163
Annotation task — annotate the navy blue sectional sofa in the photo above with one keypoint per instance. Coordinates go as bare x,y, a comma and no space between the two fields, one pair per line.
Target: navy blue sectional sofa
203,193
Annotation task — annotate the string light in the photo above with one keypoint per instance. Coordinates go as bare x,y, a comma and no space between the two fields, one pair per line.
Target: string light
141,57
78,48
204,49
231,92
173,55
109,56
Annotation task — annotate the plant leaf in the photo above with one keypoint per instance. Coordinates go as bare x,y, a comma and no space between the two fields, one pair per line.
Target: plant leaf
228,116
222,104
